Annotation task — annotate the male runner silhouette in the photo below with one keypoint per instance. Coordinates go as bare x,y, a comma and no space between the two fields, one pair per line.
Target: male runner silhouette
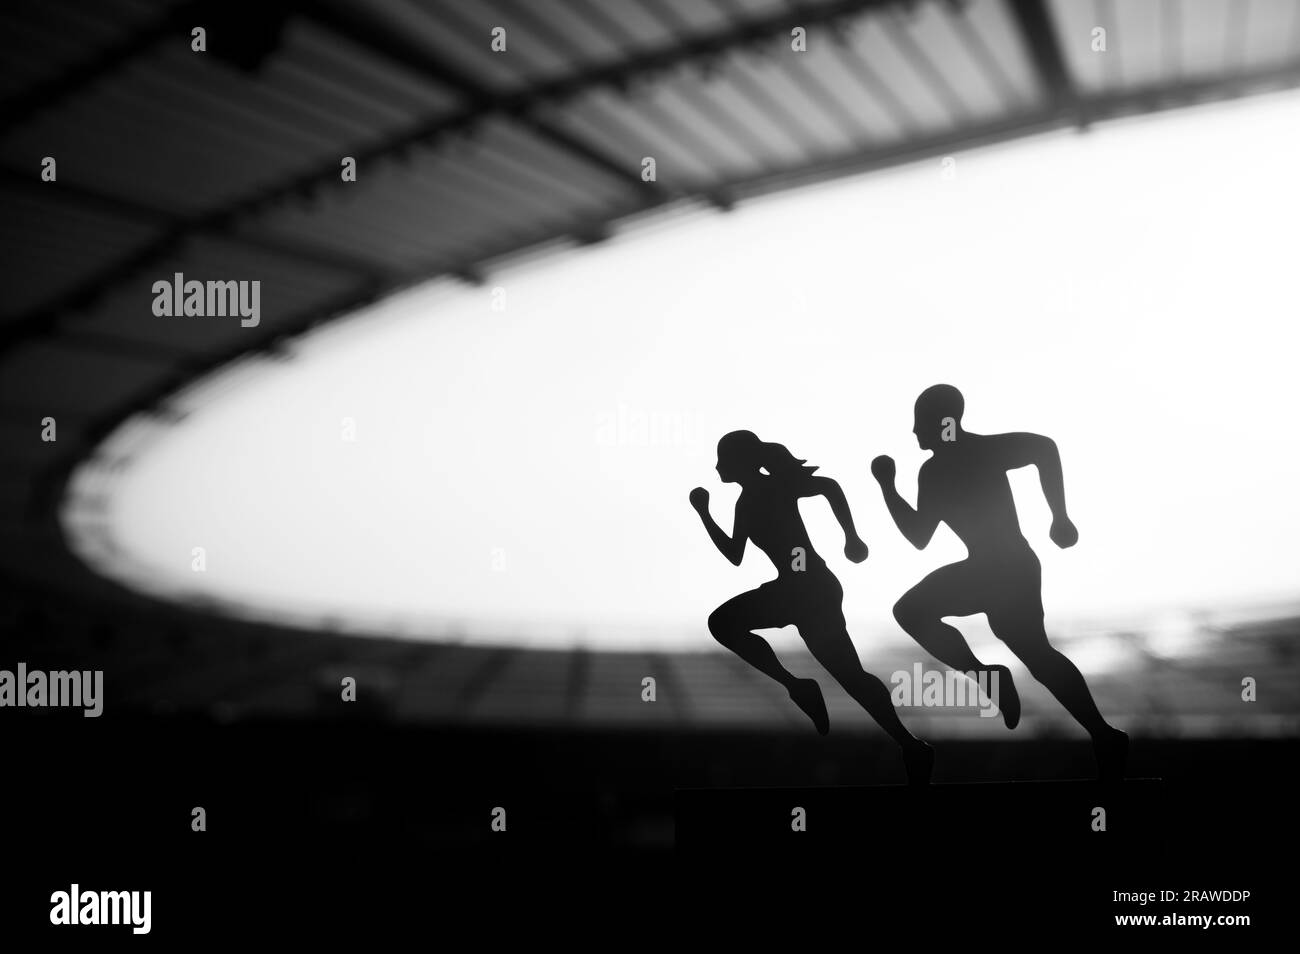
964,484
805,592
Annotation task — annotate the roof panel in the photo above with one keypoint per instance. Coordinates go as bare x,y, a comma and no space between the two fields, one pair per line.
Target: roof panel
1142,43
1272,33
1074,25
769,124
690,16
1205,23
873,39
848,79
460,35
976,82
37,375
66,34
626,129
991,21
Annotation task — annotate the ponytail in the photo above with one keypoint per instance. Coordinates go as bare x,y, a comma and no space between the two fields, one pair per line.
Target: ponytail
783,466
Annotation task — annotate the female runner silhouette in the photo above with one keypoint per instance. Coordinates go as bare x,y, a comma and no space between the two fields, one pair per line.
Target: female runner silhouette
805,593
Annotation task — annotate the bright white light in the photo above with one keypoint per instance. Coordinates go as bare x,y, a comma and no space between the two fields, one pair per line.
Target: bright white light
522,475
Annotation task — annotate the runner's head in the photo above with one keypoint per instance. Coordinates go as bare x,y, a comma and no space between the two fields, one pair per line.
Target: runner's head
938,410
743,457
738,454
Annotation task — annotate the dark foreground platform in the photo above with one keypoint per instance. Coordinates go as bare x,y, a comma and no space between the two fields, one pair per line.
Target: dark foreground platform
370,830
1134,813
1050,859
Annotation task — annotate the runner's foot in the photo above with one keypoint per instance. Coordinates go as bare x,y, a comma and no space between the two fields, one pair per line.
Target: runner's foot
807,695
1008,700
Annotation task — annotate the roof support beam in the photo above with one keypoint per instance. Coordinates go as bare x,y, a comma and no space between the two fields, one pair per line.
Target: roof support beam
1039,37
84,74
142,214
